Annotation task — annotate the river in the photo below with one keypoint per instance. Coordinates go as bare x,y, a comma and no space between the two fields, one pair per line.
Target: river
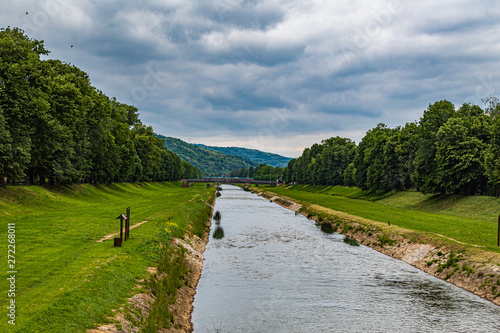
275,271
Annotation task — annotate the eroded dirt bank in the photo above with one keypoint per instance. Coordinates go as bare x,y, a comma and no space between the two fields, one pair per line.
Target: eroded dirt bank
129,317
466,266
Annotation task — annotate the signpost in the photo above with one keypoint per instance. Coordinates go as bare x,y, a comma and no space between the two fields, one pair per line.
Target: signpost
118,240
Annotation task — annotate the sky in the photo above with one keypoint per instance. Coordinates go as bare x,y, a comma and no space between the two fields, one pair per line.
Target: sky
273,75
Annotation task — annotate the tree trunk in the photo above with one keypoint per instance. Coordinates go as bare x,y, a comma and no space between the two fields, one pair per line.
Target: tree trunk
31,177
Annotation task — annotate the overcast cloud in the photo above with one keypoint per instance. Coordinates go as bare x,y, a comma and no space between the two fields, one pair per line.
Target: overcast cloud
273,75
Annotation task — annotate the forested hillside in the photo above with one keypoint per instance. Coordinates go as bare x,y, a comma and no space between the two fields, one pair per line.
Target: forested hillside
211,163
56,128
255,155
448,150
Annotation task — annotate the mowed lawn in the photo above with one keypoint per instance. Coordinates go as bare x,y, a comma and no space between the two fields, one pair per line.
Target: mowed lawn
66,281
459,219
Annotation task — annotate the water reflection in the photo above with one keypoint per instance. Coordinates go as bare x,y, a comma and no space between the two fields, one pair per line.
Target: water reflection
218,233
278,273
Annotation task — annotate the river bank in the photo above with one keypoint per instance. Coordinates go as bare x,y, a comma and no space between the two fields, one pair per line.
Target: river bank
129,317
463,265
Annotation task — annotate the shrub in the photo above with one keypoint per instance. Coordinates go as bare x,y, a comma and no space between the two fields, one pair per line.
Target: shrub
385,240
351,241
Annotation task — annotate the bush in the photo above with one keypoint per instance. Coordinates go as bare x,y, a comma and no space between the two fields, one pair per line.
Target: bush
385,240
351,241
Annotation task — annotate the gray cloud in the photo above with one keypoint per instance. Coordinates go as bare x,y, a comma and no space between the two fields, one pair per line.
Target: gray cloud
268,73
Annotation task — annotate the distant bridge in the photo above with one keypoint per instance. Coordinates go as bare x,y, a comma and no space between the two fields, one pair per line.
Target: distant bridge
228,180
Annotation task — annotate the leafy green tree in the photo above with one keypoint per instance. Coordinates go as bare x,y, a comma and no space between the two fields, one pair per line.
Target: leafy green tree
5,149
424,164
148,149
492,158
330,163
459,158
267,172
20,98
493,107
189,171
104,153
349,173
374,161
300,171
60,150
128,164
406,149
370,158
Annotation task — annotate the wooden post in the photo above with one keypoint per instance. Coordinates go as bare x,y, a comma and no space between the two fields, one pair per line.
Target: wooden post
118,241
127,224
121,227
498,238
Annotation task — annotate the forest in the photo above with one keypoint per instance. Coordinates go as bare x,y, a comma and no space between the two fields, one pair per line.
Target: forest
56,128
260,172
449,150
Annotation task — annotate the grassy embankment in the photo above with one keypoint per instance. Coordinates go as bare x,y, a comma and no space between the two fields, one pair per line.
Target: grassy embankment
470,220
66,280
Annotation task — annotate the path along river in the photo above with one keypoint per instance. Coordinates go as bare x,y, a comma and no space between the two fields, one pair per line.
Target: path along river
274,271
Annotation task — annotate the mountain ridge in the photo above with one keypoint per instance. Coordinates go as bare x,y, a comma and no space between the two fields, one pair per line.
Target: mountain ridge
211,160
255,155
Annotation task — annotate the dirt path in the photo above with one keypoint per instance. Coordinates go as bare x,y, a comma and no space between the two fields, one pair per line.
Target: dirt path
459,242
116,234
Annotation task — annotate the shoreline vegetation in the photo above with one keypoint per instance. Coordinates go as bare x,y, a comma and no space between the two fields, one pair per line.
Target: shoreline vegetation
83,285
450,237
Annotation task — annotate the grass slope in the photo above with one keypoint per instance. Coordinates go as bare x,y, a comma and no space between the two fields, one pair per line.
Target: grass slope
66,280
208,161
471,220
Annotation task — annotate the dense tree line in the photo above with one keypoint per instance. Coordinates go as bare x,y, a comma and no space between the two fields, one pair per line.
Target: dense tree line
260,172
56,128
448,150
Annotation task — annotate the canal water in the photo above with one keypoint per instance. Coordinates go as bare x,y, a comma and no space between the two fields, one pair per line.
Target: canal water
274,271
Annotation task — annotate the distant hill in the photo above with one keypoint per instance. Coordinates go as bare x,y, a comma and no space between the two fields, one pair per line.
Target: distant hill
252,154
210,162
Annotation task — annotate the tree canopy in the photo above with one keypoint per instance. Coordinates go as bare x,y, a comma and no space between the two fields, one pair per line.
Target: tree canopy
448,150
56,127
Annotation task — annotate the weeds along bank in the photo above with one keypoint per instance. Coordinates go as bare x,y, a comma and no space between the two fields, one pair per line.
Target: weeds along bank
473,267
81,284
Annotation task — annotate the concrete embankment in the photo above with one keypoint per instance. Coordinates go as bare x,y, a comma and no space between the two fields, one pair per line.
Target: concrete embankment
467,266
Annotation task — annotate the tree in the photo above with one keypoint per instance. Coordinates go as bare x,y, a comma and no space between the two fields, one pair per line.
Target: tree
492,158
424,164
493,107
148,149
288,171
349,175
5,149
459,158
20,99
406,150
371,160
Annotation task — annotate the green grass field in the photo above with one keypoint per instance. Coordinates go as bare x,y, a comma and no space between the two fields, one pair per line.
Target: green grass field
471,220
66,281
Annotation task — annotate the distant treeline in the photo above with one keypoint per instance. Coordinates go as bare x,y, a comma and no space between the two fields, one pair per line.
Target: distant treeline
260,172
447,151
56,128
